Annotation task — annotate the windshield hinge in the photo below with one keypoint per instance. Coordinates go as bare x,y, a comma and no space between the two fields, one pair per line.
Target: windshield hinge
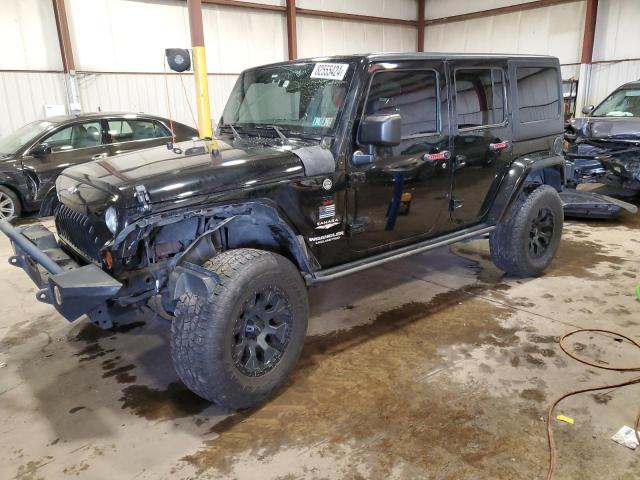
143,197
356,177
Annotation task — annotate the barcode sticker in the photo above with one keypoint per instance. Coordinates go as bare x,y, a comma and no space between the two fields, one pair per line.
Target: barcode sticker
330,71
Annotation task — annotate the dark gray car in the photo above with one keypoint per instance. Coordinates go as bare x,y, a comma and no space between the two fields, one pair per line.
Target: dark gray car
604,146
32,157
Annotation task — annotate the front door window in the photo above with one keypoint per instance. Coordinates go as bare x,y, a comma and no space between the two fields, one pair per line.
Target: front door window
80,135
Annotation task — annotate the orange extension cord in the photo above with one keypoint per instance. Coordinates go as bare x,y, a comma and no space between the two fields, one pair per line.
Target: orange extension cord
633,381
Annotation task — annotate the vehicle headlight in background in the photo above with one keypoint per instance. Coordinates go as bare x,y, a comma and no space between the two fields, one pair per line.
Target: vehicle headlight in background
111,219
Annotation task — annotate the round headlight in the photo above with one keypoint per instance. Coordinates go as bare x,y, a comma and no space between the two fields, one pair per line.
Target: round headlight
111,219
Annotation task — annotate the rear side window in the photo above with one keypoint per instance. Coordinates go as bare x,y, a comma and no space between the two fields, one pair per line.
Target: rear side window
538,94
411,94
126,130
480,97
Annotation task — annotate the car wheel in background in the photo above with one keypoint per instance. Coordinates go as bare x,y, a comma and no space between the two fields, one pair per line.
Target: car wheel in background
10,207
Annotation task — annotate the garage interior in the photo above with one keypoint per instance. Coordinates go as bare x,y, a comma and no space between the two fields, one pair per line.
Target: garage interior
434,366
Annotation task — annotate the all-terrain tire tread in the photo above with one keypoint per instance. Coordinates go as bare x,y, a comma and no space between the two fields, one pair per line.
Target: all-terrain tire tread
506,250
191,331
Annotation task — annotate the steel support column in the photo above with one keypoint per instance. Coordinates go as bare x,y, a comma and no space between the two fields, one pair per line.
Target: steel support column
421,25
292,32
586,59
66,54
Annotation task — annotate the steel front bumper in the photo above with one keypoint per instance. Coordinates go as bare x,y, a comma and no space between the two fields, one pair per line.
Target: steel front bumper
72,289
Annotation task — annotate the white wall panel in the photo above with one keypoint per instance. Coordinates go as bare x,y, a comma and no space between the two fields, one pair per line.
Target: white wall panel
448,8
320,36
280,3
28,35
606,77
126,92
402,9
555,30
238,38
617,31
23,96
131,35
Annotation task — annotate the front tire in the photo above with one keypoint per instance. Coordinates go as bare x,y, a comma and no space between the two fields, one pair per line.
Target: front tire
238,346
525,243
10,206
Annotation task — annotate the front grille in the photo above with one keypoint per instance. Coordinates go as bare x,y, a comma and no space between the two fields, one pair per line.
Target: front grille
76,229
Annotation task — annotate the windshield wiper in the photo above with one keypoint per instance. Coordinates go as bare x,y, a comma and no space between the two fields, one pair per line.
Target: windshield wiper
278,130
236,135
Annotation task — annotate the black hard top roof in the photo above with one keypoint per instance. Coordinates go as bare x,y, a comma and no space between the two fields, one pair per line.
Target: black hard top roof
394,57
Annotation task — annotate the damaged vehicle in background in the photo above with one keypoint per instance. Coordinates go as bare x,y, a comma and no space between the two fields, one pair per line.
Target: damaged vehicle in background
32,157
604,146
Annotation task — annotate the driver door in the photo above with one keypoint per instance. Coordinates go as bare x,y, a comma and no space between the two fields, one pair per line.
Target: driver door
402,194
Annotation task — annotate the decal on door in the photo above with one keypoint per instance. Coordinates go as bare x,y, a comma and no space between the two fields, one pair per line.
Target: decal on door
327,209
329,237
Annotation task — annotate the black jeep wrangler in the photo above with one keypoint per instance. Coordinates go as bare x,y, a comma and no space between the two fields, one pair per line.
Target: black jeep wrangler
321,168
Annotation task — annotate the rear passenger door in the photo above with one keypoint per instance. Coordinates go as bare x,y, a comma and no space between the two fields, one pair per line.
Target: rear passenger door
482,137
127,134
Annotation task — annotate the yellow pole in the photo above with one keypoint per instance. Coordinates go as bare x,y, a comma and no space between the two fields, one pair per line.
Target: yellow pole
200,68
202,92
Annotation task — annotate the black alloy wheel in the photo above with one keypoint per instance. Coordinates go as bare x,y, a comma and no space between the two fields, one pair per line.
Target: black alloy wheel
261,332
541,233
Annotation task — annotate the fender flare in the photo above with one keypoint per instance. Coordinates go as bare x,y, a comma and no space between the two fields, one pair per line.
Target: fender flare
46,208
185,273
515,180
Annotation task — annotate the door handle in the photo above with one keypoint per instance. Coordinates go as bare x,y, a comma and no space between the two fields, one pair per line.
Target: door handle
99,156
434,157
461,161
497,146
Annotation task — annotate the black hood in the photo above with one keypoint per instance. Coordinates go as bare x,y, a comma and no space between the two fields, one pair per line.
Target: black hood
607,128
185,172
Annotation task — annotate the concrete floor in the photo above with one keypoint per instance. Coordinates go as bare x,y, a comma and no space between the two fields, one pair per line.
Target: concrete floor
431,367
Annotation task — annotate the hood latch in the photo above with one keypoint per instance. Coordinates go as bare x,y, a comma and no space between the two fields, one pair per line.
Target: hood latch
143,197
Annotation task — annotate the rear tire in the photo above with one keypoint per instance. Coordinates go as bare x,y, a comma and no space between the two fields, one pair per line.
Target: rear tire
238,345
526,241
10,206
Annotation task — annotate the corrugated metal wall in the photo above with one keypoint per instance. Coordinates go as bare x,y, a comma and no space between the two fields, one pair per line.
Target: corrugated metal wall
28,36
24,94
119,45
119,50
330,36
555,30
402,9
151,93
617,38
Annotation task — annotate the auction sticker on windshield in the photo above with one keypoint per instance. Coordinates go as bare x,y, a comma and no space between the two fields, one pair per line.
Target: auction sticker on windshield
330,71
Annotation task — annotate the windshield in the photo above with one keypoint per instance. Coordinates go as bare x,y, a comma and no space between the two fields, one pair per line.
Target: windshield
621,103
11,143
299,98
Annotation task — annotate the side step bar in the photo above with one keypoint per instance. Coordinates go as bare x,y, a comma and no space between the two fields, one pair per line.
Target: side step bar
332,273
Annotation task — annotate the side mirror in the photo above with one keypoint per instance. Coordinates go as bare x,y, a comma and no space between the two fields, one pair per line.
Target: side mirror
587,109
41,150
381,130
